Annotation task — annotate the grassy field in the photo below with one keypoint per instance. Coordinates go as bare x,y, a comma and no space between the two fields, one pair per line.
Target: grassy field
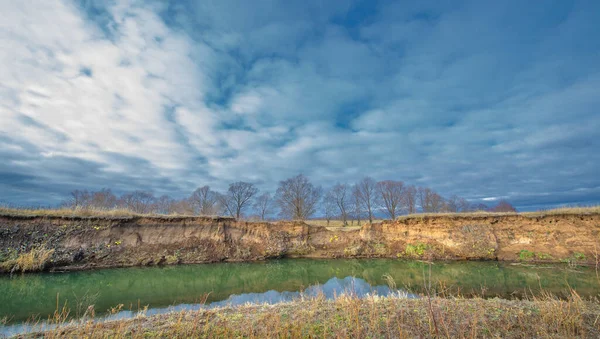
338,225
65,212
371,317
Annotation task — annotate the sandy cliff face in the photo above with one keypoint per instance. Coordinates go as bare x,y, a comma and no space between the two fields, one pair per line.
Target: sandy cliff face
110,242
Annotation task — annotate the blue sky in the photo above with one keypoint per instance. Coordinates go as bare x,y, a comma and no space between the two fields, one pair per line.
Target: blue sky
483,99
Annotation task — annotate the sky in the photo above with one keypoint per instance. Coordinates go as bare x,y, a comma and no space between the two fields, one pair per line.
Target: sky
487,100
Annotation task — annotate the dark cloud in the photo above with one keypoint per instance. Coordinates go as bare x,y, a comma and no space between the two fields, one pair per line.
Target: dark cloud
484,100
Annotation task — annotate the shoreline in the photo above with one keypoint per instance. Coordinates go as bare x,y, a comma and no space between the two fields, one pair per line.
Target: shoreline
367,317
30,243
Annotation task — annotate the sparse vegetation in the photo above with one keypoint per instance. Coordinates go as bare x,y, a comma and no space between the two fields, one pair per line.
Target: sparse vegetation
371,317
122,212
32,261
417,250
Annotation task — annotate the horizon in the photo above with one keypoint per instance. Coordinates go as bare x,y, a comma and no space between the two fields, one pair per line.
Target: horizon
486,101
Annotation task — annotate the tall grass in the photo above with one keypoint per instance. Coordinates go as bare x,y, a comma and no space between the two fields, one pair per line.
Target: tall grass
371,317
119,212
32,261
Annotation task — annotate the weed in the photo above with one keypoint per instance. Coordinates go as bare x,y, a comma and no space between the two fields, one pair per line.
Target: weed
525,255
415,250
32,261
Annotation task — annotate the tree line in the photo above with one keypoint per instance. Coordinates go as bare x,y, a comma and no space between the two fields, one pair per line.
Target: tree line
295,198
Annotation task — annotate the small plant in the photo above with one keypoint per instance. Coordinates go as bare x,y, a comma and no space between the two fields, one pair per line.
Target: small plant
525,255
415,250
543,256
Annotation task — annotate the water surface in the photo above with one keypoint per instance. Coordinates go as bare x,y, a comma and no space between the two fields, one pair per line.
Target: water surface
23,297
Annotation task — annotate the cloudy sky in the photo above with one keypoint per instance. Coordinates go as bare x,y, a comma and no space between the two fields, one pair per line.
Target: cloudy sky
483,99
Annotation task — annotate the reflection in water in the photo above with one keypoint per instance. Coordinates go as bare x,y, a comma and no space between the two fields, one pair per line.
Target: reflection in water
333,288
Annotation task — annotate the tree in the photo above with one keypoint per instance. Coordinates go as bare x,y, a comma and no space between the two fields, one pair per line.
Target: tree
464,205
436,202
297,197
409,199
163,204
237,197
366,189
80,199
430,201
390,193
452,204
103,199
503,206
138,201
183,207
478,207
340,193
264,205
204,201
329,206
356,203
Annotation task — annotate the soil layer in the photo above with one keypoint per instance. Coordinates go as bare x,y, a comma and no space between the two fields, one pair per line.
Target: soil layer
97,242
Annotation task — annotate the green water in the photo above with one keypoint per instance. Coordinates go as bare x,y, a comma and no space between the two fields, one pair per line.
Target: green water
24,296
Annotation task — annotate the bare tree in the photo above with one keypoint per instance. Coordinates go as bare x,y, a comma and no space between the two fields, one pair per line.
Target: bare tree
264,205
342,200
297,197
237,197
410,199
436,202
503,206
452,204
430,201
356,203
478,207
422,193
103,199
329,206
391,196
79,199
183,207
163,204
464,205
138,201
204,201
367,193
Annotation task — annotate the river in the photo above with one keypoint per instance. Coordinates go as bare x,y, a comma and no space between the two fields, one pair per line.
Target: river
34,297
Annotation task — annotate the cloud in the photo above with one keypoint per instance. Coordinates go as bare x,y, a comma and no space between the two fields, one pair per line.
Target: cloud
476,99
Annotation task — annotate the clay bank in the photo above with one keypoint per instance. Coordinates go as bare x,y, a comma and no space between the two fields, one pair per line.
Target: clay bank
75,242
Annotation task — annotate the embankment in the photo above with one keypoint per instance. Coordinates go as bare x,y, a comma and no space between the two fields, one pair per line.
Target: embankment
95,242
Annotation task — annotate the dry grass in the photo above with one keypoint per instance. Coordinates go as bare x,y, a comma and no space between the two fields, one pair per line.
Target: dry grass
32,261
120,213
371,317
88,213
556,211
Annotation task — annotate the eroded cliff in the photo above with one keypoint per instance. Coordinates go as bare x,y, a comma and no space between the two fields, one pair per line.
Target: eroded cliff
94,242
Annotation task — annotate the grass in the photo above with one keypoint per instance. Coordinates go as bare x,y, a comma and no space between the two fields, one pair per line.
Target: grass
557,211
120,213
89,213
371,317
32,261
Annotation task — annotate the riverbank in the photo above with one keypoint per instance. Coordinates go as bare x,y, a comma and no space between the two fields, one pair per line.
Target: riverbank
371,317
55,240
